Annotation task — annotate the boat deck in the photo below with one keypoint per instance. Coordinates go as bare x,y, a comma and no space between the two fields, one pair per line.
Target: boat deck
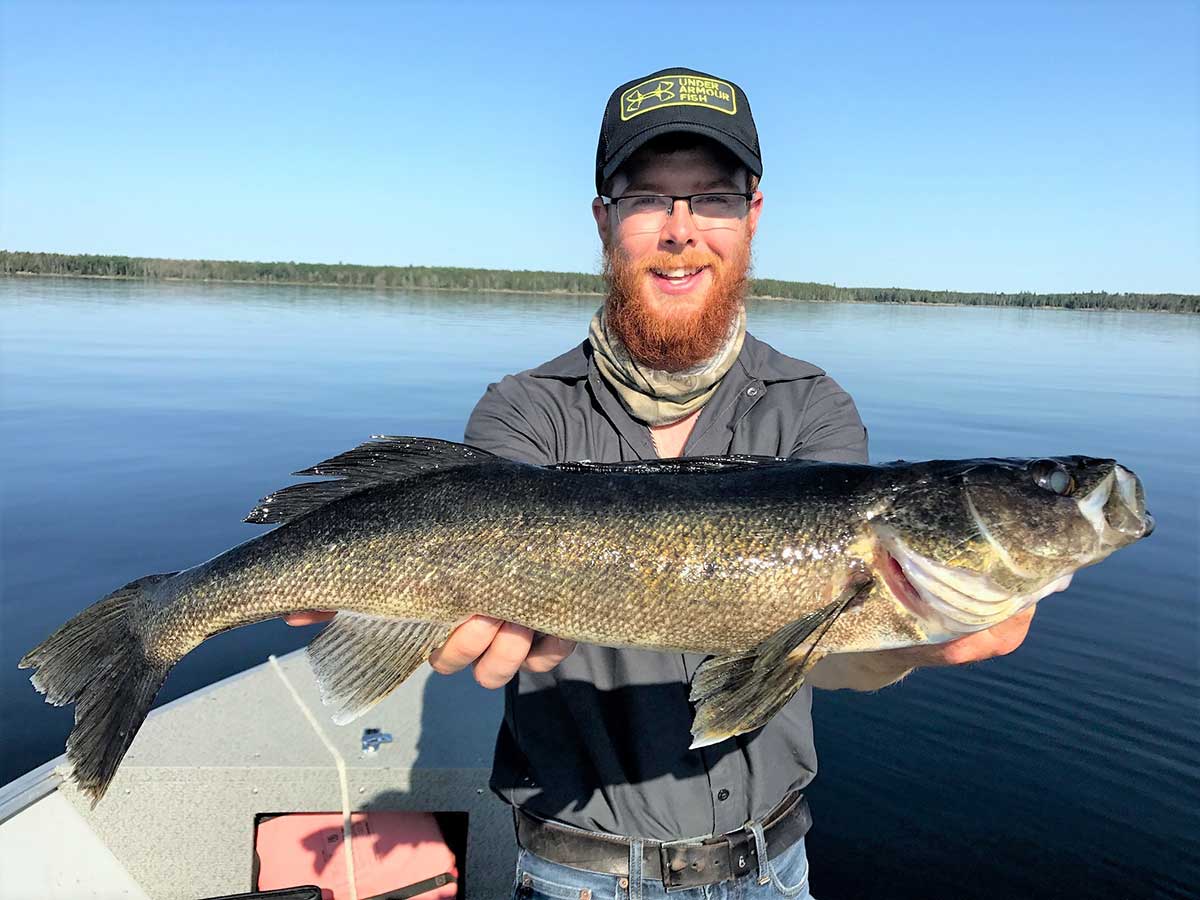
178,819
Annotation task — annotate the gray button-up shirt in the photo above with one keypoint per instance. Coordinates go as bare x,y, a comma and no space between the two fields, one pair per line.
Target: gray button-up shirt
601,742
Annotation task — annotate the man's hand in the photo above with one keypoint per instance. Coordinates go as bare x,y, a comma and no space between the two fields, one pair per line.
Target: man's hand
874,670
998,640
309,617
497,649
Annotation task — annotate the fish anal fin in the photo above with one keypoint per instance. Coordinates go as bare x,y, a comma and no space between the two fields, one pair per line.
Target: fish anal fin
383,459
737,694
360,659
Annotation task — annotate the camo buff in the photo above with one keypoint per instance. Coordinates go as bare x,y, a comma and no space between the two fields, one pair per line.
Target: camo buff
651,395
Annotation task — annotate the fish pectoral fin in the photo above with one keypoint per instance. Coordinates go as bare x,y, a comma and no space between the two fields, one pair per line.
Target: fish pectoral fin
360,659
737,694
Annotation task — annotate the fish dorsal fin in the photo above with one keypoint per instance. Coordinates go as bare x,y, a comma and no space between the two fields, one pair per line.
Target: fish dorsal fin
739,693
678,466
383,459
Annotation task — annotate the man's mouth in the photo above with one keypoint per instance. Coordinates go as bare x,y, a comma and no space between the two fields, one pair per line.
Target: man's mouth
677,281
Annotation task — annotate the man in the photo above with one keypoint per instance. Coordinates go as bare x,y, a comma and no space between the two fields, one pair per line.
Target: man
592,752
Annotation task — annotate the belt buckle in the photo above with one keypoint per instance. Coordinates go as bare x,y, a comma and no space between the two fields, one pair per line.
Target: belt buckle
691,864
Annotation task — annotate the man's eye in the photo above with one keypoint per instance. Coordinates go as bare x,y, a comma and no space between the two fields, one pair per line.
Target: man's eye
718,205
641,204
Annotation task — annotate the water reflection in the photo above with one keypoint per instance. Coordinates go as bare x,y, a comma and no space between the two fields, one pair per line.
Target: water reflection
142,421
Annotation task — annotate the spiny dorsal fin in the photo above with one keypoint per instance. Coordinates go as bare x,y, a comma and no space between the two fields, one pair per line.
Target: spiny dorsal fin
681,465
383,459
737,694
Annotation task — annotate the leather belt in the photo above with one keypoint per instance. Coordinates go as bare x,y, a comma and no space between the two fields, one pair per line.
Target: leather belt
677,864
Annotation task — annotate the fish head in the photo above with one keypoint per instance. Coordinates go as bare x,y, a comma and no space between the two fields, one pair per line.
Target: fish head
966,544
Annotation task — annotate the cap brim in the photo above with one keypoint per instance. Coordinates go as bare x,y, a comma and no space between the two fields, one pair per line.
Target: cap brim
732,144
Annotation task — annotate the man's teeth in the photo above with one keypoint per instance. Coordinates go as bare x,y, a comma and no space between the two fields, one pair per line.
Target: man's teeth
676,273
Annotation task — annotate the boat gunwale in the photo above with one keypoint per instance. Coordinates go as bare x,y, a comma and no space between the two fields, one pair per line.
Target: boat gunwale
27,789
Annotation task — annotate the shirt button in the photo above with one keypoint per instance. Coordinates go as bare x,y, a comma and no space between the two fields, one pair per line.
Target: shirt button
722,795
750,392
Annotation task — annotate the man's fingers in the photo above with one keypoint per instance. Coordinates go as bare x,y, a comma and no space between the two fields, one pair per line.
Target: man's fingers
1010,633
998,640
547,652
465,644
498,650
503,658
309,617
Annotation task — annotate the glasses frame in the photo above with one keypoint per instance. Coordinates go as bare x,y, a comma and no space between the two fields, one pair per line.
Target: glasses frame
748,196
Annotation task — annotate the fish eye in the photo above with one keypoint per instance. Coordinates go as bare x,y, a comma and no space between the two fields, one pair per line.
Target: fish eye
1053,476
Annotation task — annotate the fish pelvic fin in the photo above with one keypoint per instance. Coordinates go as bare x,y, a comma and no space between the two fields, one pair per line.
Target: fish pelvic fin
381,460
98,661
360,659
737,694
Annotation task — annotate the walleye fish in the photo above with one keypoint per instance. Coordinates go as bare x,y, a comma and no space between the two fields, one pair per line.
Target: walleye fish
766,564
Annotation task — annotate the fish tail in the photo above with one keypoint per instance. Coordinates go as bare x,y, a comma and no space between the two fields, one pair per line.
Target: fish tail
98,661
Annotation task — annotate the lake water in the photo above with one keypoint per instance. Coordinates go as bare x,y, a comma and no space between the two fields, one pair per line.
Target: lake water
142,421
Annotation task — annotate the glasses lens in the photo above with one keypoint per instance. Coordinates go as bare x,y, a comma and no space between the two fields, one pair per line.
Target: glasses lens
650,212
718,210
640,215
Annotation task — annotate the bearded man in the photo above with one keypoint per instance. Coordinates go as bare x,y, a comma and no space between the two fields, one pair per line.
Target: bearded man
593,749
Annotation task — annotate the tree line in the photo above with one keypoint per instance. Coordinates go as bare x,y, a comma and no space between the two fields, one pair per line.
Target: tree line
446,278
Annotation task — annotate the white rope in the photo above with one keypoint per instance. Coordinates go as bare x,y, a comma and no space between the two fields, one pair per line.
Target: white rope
341,770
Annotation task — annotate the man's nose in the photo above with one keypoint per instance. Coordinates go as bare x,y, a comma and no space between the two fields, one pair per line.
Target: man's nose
680,230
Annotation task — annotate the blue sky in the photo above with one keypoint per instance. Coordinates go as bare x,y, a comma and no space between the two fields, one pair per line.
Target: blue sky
971,146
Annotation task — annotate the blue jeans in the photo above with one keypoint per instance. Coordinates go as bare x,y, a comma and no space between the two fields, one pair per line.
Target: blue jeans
785,876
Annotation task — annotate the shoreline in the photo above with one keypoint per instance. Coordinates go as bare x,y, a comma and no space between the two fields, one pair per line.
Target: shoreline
565,293
320,284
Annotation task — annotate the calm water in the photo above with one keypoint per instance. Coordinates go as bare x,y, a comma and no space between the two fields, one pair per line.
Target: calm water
141,422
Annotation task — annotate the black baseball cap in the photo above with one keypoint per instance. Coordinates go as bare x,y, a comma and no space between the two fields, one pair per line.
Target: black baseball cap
675,100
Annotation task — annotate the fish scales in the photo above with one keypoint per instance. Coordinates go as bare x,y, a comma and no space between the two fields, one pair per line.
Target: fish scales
766,565
524,545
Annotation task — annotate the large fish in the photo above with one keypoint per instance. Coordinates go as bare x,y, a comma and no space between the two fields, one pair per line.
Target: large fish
766,564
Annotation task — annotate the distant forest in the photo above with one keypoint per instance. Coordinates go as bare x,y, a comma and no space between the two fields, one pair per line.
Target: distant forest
439,278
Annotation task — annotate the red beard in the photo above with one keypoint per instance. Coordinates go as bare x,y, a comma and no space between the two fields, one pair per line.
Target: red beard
674,339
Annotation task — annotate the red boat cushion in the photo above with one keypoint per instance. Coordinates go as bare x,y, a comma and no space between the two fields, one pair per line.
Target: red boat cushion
391,850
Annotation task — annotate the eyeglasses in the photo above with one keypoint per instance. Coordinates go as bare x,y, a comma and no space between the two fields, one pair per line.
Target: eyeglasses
644,213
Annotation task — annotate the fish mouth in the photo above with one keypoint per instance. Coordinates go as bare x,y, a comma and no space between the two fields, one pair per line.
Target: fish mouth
1116,508
952,600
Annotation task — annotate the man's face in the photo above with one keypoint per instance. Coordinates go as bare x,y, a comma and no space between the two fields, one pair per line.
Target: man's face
667,321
